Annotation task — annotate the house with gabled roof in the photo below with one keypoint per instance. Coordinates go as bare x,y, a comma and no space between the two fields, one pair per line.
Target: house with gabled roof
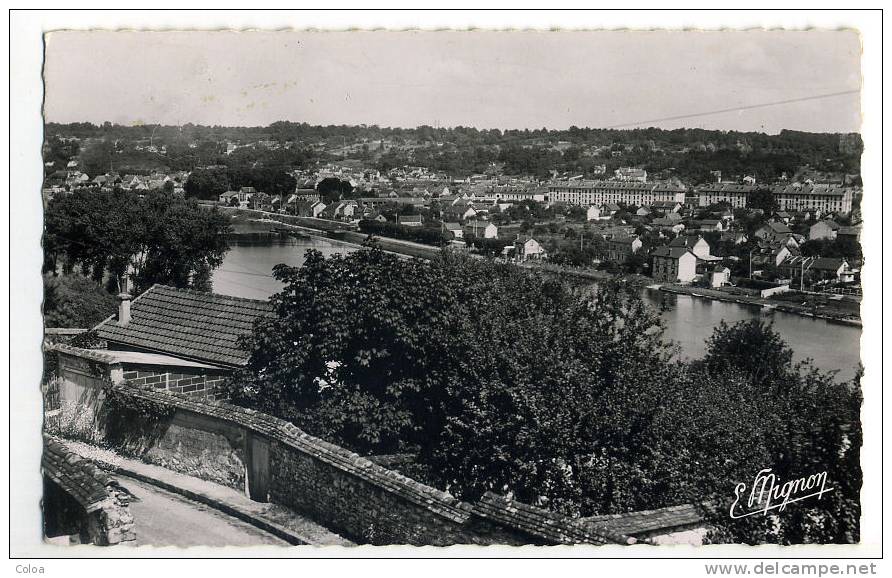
620,248
774,231
674,264
826,229
455,229
526,248
181,340
482,229
696,244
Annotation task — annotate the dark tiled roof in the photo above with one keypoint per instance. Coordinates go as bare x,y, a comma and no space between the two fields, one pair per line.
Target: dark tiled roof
688,241
779,227
827,263
188,324
79,478
672,252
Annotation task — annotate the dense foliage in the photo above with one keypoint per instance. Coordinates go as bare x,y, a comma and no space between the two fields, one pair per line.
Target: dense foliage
158,238
501,379
426,235
210,183
844,247
75,301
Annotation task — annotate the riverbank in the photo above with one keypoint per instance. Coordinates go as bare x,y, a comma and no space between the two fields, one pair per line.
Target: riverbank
829,310
586,274
324,229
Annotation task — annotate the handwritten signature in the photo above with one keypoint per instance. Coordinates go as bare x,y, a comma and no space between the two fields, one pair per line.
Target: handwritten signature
767,493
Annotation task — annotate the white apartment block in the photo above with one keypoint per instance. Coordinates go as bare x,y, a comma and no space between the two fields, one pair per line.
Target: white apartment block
824,198
733,194
605,192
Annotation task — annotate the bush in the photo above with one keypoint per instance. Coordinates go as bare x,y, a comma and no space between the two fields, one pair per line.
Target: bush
75,301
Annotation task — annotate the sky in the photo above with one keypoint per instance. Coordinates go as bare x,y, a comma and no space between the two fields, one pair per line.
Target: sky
483,79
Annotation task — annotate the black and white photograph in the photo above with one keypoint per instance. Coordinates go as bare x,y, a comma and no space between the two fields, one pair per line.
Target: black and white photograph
600,289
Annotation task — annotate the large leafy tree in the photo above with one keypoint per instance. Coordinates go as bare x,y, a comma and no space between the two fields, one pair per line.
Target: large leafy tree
156,238
503,379
206,183
811,425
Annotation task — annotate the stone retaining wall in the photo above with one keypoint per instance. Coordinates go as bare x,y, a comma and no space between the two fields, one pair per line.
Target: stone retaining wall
335,487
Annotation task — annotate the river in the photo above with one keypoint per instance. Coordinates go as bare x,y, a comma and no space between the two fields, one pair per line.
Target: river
246,272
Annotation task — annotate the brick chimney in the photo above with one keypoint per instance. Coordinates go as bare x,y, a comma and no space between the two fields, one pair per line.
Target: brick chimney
124,302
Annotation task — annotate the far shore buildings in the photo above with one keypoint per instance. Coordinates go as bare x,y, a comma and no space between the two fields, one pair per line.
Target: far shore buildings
586,193
482,229
683,259
734,195
825,229
674,264
790,197
525,249
619,249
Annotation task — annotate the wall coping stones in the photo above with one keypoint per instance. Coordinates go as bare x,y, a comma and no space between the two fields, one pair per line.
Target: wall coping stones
646,521
544,524
78,477
100,356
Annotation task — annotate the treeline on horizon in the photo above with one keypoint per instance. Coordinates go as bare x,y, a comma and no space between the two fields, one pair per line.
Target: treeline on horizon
688,154
286,130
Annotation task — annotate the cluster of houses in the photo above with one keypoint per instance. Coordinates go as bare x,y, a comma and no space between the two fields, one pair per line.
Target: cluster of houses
72,179
687,258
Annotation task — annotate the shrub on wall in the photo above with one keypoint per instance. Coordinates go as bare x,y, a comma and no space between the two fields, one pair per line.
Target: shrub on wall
132,424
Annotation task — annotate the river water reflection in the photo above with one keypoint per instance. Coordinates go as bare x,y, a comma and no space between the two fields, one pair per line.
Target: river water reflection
246,272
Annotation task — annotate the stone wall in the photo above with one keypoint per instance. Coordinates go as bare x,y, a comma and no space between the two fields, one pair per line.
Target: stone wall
274,461
193,444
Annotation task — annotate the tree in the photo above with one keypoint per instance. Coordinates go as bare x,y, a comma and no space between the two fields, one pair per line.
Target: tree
206,184
762,198
811,425
443,359
332,189
636,262
98,158
156,238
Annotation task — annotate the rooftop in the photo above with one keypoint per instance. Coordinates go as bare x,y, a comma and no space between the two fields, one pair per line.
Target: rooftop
80,478
187,324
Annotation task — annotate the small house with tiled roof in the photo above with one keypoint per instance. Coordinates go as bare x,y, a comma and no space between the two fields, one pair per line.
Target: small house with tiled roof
180,340
194,325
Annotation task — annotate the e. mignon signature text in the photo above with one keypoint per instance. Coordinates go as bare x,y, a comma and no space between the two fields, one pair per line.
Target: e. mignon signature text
767,493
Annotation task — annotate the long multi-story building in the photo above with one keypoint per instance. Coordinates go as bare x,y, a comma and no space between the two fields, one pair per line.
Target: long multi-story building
604,192
825,198
733,194
792,197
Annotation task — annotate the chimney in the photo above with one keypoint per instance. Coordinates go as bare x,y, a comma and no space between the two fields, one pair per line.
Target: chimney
124,309
124,302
